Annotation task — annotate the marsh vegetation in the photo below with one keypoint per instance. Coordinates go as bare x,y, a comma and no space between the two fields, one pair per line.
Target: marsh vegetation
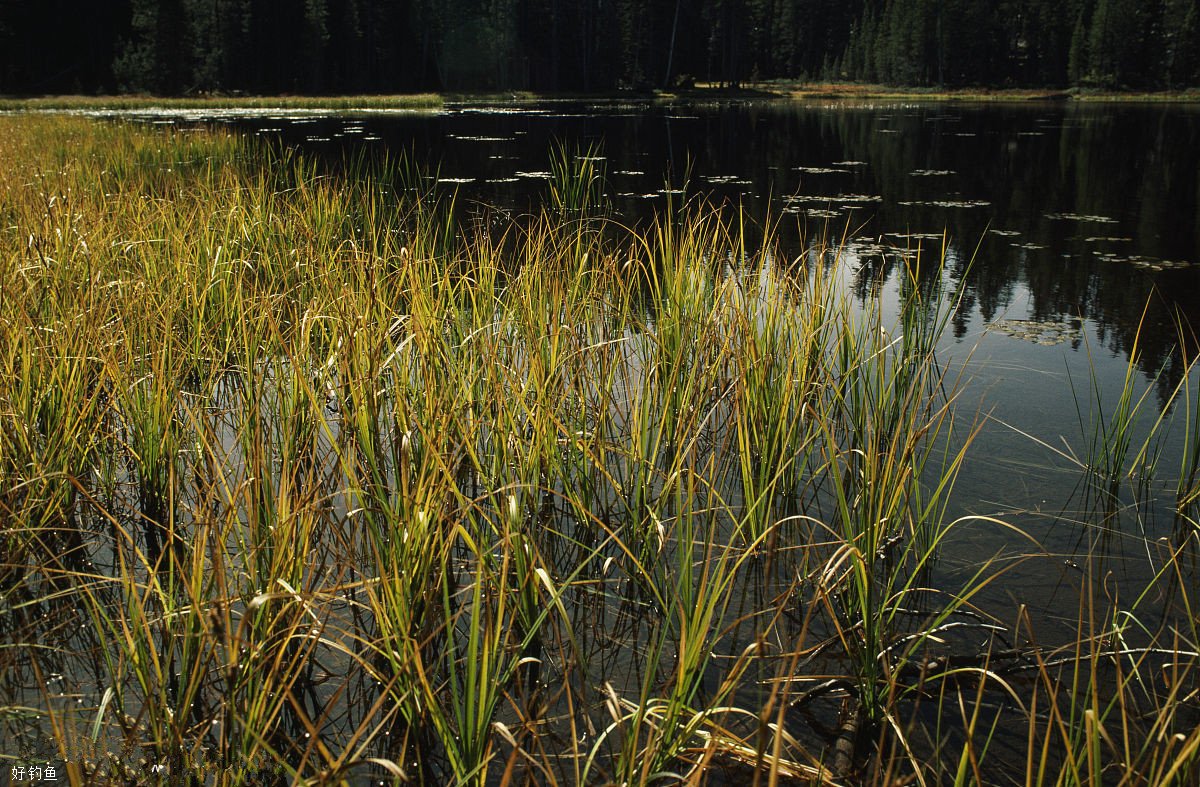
311,474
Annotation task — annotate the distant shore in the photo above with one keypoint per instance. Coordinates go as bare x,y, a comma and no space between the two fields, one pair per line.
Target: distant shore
855,91
768,91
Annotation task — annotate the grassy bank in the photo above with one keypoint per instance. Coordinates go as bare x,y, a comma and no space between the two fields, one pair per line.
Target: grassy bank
757,91
136,102
314,475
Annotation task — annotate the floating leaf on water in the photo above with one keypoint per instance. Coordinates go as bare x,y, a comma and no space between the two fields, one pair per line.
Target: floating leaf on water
498,111
1044,332
942,203
1146,263
916,235
468,138
841,199
965,203
859,198
1080,217
865,248
822,170
1164,265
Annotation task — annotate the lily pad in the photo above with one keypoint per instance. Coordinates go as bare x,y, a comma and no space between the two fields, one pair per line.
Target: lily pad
1044,332
1080,217
821,170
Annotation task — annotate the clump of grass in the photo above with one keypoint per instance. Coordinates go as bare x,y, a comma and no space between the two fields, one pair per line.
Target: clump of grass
576,178
1111,431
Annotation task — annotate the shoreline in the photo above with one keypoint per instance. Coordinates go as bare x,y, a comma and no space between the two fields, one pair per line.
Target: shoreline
802,92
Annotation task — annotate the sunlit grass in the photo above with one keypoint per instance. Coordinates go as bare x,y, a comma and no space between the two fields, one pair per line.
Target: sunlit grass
139,102
321,481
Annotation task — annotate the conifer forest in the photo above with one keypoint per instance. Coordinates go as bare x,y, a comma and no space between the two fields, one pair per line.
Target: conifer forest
191,47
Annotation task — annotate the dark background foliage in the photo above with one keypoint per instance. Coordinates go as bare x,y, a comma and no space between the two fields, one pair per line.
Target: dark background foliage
348,46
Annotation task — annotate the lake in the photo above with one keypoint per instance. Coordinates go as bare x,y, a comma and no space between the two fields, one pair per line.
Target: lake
1063,238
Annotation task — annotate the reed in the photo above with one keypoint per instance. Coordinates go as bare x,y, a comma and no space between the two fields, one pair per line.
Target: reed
1111,429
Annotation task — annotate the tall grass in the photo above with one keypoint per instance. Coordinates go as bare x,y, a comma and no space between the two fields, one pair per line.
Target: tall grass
328,484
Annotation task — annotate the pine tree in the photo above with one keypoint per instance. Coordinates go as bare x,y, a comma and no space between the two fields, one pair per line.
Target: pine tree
1188,58
216,32
153,59
1181,44
1079,57
1124,44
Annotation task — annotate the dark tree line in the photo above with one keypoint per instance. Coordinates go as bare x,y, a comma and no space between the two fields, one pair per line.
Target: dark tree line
344,46
1138,44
